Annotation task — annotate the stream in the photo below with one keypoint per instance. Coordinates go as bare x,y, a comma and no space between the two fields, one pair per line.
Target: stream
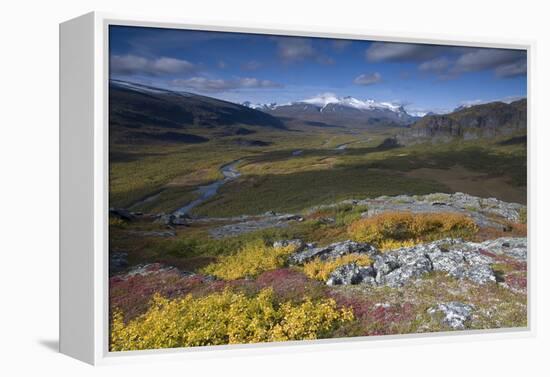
229,172
342,147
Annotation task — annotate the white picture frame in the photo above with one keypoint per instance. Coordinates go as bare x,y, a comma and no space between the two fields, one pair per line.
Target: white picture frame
84,328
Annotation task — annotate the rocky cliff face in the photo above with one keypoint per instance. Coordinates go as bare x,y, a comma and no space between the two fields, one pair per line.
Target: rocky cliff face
487,120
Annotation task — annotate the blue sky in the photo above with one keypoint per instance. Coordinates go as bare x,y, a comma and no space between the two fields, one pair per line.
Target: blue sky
262,69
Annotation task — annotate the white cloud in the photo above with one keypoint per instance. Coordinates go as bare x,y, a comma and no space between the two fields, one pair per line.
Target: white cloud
368,79
437,65
518,68
297,49
204,84
451,61
390,51
292,49
137,65
485,58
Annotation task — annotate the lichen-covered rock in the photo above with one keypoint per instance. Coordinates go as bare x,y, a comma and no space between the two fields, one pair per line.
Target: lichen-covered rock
332,251
153,268
352,274
250,224
512,247
481,274
409,265
451,262
456,257
455,314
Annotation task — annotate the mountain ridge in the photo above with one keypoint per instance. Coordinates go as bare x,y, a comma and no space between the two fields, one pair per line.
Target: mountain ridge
472,122
332,110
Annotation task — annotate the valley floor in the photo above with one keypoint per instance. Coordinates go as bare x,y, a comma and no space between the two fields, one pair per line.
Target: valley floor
319,233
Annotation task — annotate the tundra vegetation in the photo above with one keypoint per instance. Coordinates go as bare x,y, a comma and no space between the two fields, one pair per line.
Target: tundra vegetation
223,273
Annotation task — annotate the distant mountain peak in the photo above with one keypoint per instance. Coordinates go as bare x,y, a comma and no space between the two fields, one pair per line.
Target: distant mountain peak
325,100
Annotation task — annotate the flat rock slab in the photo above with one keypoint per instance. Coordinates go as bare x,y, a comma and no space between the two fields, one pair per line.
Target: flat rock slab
152,268
332,251
268,221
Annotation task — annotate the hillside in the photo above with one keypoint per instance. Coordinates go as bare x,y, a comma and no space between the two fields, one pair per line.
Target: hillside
487,120
141,114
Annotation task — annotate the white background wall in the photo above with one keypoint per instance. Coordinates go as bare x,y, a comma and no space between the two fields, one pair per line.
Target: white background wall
29,188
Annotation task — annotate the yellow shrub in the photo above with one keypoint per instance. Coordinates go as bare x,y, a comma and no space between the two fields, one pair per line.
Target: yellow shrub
253,259
225,318
394,244
321,269
397,229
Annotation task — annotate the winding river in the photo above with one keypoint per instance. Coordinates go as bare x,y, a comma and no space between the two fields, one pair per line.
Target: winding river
229,172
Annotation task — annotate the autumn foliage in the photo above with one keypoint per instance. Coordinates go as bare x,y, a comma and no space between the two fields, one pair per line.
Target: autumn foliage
225,318
397,229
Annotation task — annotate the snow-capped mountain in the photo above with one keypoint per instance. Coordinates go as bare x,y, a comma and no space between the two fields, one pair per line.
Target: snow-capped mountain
332,109
325,100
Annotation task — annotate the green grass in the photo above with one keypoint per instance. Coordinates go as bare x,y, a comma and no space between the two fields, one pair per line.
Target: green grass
139,171
274,179
298,191
477,156
168,200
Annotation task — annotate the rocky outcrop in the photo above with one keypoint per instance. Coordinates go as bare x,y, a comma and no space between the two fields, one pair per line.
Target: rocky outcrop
481,210
269,220
455,257
454,314
484,120
396,268
332,251
352,274
152,268
512,247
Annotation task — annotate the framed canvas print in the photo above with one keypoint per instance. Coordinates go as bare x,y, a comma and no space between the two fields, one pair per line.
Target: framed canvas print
229,189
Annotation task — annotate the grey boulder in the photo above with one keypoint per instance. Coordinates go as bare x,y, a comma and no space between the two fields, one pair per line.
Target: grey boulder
455,314
352,274
332,251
